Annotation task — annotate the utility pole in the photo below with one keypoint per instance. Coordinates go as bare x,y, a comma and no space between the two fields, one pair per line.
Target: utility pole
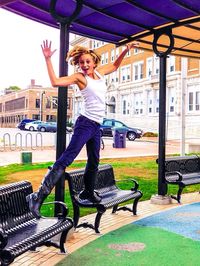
183,90
41,105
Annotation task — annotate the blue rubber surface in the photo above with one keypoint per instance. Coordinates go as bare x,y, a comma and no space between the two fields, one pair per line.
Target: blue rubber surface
184,220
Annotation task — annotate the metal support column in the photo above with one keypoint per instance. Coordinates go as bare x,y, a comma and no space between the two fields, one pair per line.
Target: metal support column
162,186
62,92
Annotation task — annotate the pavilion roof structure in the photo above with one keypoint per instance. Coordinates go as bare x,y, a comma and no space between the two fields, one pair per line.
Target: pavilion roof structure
123,21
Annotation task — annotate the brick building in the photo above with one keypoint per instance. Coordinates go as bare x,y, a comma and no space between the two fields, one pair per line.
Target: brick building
35,102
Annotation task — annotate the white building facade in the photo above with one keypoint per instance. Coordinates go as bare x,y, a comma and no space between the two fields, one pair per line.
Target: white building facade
133,90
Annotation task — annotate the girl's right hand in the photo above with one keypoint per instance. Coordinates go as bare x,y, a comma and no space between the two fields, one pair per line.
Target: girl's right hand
46,49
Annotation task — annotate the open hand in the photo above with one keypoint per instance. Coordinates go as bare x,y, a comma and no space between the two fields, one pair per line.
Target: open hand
132,45
46,49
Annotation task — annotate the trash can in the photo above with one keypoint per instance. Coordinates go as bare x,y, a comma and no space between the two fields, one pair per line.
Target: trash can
119,137
26,157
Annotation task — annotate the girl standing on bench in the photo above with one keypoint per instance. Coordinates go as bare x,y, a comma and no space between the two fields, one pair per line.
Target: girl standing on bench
89,79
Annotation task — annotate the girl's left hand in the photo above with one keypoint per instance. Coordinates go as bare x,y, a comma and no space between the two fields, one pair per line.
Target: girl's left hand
132,45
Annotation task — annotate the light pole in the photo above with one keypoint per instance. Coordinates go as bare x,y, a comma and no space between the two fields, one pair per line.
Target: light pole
41,105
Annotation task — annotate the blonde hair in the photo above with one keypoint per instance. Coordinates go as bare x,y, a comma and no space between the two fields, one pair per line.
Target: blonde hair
74,55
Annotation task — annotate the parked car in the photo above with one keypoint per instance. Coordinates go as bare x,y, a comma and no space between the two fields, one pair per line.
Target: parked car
32,126
51,127
47,127
109,125
22,124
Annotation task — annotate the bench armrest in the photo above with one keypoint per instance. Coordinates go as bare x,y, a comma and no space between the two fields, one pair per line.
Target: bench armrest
174,176
136,185
64,207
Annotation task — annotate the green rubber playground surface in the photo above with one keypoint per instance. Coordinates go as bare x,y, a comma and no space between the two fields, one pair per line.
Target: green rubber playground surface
168,238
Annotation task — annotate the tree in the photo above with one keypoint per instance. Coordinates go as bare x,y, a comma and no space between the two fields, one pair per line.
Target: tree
14,88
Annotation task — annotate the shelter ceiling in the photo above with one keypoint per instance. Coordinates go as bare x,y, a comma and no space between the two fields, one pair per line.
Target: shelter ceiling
119,22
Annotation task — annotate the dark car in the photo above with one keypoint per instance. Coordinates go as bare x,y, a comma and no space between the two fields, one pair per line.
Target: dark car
109,125
22,124
51,127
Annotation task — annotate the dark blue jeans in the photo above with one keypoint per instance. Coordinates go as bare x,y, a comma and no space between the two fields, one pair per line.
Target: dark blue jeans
86,132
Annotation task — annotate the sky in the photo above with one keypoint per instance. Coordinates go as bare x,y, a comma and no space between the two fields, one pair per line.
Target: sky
21,57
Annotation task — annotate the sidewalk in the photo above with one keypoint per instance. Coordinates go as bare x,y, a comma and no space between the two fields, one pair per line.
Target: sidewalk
109,222
143,147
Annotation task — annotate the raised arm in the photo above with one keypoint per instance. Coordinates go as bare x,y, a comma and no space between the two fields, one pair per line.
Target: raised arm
107,69
56,81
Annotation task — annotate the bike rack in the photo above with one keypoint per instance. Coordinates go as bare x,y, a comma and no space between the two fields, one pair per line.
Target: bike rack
7,143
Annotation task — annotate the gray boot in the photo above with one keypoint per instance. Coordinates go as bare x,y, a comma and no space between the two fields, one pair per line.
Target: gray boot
36,199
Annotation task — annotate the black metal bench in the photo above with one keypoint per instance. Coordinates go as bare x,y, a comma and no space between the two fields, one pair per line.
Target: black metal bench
106,186
182,171
20,231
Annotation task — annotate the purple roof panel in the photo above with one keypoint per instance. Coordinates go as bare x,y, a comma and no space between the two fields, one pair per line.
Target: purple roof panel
118,21
106,23
171,9
136,15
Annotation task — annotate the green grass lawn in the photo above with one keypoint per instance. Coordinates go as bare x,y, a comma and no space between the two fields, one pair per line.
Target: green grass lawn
144,171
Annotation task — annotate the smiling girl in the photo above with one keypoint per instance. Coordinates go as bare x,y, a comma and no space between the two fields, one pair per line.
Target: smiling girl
90,81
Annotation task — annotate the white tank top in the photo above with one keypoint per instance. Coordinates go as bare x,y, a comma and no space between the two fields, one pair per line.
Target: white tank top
94,98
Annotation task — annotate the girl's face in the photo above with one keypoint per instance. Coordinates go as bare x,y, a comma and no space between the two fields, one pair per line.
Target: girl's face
87,64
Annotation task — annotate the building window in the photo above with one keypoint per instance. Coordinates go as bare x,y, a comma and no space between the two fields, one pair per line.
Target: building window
112,57
36,117
15,104
138,103
171,97
150,102
48,103
156,65
125,104
137,51
149,67
114,76
106,58
125,73
55,102
197,101
194,99
157,102
37,103
117,53
138,71
191,101
171,63
103,59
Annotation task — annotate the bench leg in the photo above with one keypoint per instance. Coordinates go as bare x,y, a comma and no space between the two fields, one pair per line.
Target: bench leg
63,240
135,202
178,197
114,208
76,214
97,220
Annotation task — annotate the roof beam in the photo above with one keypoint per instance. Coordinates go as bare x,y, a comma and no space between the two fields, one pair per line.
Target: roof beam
6,2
